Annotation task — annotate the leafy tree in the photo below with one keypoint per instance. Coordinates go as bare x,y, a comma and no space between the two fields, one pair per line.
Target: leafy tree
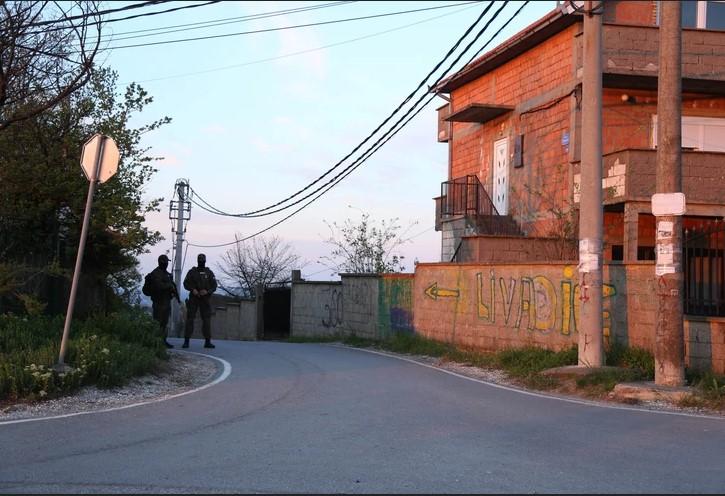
365,247
46,54
261,261
43,189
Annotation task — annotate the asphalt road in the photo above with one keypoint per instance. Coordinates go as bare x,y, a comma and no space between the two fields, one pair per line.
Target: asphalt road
322,419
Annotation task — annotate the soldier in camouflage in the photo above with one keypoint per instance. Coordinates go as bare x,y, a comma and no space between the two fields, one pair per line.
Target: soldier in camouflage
201,283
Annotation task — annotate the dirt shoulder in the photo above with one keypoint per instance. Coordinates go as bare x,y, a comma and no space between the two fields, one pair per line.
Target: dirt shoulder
183,372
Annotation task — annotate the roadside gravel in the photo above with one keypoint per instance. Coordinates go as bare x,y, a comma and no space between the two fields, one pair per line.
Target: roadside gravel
183,372
499,377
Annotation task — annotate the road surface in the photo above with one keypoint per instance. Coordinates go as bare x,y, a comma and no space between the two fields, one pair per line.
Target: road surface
315,418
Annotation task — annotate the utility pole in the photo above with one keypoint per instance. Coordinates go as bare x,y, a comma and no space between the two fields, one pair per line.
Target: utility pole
668,205
591,216
179,211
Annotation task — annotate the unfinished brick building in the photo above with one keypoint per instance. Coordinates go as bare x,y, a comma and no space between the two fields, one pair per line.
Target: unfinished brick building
513,128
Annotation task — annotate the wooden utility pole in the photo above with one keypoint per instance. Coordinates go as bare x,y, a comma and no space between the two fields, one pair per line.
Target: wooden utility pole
591,216
668,204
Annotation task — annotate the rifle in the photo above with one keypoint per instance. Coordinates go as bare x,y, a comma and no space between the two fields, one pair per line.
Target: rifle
175,292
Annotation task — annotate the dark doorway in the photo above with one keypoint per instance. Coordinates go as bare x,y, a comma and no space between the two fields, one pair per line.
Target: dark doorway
276,312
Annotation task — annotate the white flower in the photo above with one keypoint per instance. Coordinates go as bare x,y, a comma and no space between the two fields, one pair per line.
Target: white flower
42,394
105,350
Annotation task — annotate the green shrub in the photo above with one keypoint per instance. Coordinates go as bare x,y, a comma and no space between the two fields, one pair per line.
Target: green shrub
102,350
619,355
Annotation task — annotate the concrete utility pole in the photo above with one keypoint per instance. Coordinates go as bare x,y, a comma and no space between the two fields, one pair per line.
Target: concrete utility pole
591,216
669,204
179,211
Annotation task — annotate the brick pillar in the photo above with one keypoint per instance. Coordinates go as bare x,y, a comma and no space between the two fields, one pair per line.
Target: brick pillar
631,232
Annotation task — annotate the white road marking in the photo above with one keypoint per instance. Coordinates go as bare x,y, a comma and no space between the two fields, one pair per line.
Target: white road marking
536,394
225,373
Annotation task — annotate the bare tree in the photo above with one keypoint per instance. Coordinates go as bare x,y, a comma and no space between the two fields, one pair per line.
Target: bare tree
261,261
365,247
46,53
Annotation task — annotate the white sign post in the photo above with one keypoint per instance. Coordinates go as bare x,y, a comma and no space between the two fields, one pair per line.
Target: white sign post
99,160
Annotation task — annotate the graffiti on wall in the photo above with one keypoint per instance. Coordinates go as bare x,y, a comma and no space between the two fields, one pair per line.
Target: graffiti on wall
535,303
333,308
396,304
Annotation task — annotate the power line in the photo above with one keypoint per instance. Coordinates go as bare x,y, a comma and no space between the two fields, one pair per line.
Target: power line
258,213
218,22
95,14
147,14
302,52
282,28
380,145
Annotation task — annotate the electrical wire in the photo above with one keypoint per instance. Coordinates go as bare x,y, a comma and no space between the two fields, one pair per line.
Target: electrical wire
380,145
355,163
217,22
139,5
301,52
283,28
106,21
258,213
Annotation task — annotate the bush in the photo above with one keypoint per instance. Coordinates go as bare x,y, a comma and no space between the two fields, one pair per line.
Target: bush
619,355
103,350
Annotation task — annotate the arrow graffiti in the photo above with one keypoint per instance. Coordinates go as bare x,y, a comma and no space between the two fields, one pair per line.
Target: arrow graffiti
434,292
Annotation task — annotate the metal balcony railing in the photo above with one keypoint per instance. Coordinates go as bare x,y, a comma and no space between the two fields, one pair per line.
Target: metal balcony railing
466,196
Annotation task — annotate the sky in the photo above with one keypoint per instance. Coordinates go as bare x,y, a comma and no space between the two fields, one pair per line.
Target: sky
256,117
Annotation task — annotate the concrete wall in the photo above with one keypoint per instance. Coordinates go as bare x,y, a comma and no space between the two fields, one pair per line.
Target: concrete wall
492,307
316,309
360,301
395,304
497,306
230,320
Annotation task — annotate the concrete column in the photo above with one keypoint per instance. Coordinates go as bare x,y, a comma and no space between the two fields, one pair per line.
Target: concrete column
591,218
631,232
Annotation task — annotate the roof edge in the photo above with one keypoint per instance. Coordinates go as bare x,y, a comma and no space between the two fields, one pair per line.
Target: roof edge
542,29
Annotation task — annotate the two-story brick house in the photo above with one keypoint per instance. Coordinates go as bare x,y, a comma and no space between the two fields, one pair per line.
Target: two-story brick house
513,128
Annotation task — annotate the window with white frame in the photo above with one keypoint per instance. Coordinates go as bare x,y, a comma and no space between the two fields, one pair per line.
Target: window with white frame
705,134
709,14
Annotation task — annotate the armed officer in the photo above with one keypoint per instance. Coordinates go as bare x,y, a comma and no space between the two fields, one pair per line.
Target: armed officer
201,283
161,288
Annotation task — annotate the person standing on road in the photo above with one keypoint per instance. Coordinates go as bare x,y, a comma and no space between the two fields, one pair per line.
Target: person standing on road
201,283
159,285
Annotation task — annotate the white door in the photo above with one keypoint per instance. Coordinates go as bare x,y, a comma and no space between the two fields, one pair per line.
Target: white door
501,176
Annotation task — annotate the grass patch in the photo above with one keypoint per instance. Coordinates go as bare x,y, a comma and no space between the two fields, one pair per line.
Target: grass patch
709,388
633,358
103,350
603,381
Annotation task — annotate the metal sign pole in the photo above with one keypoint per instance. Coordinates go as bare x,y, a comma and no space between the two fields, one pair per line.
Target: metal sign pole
79,256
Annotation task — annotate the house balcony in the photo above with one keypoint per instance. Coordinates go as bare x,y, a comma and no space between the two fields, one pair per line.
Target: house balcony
631,58
631,176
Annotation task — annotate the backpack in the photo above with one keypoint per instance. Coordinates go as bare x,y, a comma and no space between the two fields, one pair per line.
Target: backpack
148,285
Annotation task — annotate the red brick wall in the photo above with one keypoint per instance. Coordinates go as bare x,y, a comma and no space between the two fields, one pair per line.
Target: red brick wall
642,13
523,80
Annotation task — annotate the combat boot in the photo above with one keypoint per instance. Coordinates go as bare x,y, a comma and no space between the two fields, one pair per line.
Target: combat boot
186,343
167,344
208,344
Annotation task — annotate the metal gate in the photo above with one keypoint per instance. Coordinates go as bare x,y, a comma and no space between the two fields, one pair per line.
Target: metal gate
276,312
704,270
